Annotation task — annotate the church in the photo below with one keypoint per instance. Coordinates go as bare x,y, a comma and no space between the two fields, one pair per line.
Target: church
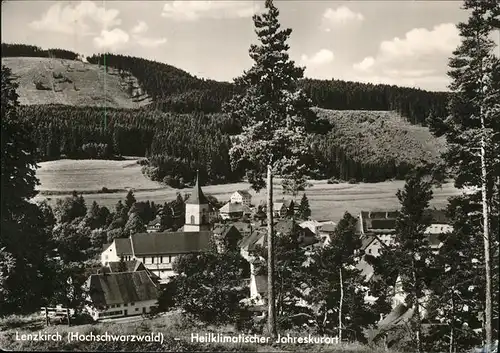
157,251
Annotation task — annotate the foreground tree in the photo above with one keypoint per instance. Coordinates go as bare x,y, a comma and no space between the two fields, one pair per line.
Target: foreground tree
457,290
290,259
337,287
472,129
275,116
406,264
209,286
25,238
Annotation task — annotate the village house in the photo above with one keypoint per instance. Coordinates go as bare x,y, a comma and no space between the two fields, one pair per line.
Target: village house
242,196
323,229
283,208
226,236
234,211
120,294
158,250
154,225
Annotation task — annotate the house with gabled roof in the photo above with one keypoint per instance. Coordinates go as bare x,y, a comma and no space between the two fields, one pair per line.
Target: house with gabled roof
154,225
234,211
120,294
283,208
242,196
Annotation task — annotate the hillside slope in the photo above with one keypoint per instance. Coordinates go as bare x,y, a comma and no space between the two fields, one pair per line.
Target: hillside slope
371,135
69,82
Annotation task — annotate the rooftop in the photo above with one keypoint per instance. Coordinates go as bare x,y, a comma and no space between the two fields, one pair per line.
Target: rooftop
121,287
170,242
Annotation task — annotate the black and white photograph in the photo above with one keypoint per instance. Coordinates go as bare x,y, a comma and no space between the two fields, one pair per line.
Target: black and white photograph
315,176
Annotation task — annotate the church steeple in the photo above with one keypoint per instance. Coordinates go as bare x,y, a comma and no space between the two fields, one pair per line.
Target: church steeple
197,210
197,197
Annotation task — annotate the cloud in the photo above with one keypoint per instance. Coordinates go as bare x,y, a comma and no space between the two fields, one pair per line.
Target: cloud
111,40
76,19
421,55
194,10
140,27
366,64
341,16
150,42
324,56
137,34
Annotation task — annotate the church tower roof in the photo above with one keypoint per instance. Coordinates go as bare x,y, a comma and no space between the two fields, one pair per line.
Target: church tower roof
197,197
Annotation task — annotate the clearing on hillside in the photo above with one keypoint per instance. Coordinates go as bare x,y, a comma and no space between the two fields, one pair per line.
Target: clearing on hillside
370,136
68,82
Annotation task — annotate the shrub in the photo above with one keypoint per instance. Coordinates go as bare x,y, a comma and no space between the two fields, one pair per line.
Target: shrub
352,181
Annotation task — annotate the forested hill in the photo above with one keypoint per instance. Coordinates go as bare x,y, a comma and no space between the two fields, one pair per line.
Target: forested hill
363,145
175,90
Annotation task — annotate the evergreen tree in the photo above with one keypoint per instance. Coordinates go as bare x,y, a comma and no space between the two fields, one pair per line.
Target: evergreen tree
25,280
290,258
456,287
166,219
304,211
407,263
472,128
337,288
134,223
275,115
129,199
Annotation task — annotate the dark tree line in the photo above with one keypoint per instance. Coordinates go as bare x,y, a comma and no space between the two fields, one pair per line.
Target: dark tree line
176,145
414,104
12,50
175,90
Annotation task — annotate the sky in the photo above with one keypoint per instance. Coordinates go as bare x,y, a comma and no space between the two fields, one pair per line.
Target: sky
404,42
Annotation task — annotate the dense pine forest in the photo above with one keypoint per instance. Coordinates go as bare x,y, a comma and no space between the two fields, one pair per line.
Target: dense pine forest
12,50
184,128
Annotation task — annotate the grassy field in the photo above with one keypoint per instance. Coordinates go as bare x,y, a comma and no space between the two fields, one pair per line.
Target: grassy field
328,201
71,83
66,175
175,329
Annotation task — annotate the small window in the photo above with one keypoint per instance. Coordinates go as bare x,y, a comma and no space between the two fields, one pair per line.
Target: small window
369,251
152,259
192,219
144,260
169,258
161,259
136,309
132,304
125,304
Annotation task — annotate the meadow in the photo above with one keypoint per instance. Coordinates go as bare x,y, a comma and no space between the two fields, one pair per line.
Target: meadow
328,201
